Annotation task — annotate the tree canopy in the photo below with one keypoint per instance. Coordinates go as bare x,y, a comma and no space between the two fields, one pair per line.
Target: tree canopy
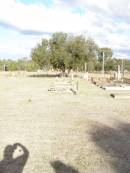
40,54
65,51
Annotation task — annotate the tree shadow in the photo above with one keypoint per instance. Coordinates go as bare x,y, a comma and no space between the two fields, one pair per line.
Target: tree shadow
115,143
14,159
45,75
60,167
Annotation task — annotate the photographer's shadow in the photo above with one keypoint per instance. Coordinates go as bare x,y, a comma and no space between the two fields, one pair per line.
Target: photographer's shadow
15,158
60,167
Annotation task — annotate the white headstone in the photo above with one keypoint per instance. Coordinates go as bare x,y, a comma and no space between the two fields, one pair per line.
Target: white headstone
119,73
86,76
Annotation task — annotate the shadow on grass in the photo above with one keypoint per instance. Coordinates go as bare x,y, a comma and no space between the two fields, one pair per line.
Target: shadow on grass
115,143
15,158
45,75
60,167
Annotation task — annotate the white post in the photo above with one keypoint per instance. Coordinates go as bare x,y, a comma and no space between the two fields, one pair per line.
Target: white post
72,75
4,67
77,85
86,73
119,73
122,69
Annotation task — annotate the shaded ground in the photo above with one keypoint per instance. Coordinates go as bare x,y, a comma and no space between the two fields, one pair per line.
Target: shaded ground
115,143
85,133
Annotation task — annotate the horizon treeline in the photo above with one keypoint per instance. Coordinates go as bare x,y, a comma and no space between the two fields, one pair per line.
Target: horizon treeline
65,52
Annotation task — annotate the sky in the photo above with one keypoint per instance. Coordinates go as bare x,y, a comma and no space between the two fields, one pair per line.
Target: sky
23,23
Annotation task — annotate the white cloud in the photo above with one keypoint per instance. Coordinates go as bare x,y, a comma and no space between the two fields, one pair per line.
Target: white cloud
39,17
105,20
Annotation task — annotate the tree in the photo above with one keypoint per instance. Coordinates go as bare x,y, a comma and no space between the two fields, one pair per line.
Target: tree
107,53
110,64
93,50
65,51
58,52
81,51
77,52
40,54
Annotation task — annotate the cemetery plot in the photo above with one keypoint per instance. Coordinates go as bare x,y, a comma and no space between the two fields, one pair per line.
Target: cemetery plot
120,88
64,86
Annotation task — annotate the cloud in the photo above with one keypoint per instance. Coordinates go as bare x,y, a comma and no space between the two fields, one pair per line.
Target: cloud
40,18
107,21
25,32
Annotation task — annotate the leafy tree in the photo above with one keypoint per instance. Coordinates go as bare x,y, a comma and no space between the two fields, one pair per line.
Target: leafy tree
110,64
98,66
81,51
107,53
93,50
58,52
40,54
64,51
77,51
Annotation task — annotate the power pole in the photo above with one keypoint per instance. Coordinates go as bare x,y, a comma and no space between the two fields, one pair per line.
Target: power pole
103,63
122,68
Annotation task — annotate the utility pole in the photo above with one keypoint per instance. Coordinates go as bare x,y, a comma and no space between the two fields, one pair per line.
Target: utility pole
103,63
122,66
85,71
122,69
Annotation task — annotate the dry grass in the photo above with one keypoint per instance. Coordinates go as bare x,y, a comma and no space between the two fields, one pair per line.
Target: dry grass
72,129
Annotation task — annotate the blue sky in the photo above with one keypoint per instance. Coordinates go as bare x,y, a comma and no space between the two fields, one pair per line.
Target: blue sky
48,3
23,23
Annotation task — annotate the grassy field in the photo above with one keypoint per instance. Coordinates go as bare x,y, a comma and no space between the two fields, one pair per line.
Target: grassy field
65,133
